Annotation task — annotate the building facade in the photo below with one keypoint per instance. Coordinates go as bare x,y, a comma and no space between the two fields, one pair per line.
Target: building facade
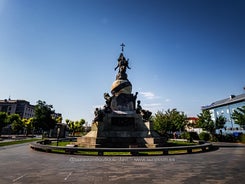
21,107
225,108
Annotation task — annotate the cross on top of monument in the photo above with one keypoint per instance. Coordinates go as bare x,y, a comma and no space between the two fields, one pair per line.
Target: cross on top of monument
122,45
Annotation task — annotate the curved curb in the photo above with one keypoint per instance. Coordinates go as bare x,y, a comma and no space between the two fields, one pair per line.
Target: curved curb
228,145
40,146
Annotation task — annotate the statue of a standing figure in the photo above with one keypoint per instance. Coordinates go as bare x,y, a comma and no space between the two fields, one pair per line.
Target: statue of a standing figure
107,98
122,65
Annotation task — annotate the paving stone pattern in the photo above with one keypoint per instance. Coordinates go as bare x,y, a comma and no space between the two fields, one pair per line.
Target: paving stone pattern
20,164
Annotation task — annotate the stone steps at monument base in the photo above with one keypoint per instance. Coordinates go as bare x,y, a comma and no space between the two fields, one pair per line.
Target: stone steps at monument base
121,139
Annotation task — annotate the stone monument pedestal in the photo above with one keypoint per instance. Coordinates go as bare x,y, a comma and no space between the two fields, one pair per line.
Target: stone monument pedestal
121,124
121,130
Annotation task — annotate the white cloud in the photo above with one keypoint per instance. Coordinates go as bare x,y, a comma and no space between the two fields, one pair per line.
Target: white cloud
148,95
152,105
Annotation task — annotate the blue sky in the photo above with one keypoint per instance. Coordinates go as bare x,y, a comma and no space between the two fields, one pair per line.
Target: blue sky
183,53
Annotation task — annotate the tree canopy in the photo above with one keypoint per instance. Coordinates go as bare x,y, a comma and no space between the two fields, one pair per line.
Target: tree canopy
220,122
43,116
3,120
205,121
239,116
75,126
16,122
169,121
29,125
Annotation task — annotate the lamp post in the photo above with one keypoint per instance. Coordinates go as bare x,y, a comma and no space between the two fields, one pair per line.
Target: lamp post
58,133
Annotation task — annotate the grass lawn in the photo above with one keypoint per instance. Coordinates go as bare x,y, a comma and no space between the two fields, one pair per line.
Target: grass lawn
169,144
60,143
179,143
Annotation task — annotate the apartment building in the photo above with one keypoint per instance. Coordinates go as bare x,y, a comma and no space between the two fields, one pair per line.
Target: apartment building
21,107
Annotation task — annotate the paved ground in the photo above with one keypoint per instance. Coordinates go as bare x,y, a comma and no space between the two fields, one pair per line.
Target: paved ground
20,164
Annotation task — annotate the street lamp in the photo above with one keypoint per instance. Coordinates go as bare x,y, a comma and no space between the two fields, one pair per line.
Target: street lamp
58,133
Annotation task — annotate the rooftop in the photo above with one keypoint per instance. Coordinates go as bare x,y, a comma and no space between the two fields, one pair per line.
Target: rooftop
8,101
232,99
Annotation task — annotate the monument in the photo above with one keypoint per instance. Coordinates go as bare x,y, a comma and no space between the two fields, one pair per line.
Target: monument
121,122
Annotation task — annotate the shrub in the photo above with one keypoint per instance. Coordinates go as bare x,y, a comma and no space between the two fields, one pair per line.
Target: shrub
190,136
194,135
214,138
204,136
185,135
229,138
242,138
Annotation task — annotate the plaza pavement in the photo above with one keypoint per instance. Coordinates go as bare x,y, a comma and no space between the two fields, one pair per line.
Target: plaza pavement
20,165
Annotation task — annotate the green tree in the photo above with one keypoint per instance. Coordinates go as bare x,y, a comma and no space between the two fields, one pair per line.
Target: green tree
169,121
58,119
29,125
75,126
239,116
205,121
80,124
71,126
67,121
3,120
43,116
220,122
160,122
17,124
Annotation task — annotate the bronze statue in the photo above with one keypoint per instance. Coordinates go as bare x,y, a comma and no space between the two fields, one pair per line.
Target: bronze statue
122,64
107,98
139,108
98,113
145,113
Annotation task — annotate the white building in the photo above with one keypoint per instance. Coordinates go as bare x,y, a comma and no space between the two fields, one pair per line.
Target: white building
225,108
